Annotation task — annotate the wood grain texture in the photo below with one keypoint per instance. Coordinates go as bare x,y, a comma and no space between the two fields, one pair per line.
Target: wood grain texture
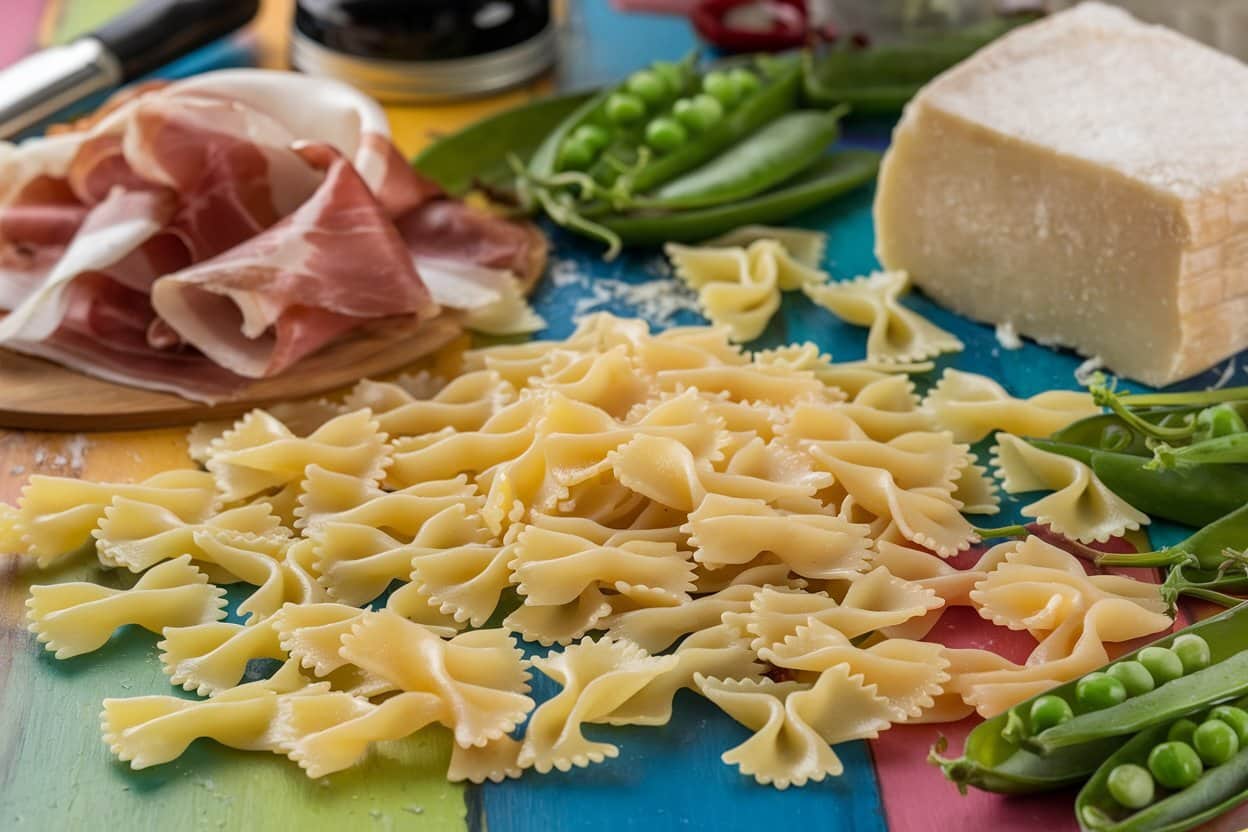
55,772
39,395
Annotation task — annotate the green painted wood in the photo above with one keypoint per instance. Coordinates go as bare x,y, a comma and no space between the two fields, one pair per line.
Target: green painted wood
56,773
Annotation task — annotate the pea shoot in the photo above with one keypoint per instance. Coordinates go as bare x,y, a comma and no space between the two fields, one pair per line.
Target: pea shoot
1175,765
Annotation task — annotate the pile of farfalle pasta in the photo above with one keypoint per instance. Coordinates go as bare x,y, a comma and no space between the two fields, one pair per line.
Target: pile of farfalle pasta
768,530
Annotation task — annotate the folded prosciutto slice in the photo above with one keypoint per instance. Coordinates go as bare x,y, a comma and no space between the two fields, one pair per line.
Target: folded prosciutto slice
193,236
262,305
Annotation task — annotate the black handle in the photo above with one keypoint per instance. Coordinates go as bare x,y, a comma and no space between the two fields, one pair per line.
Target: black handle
155,32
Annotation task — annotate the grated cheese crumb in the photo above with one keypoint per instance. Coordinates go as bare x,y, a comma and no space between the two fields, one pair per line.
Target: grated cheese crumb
1089,368
1007,336
659,299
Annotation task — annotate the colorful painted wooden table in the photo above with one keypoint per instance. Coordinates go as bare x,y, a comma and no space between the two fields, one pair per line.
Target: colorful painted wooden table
55,773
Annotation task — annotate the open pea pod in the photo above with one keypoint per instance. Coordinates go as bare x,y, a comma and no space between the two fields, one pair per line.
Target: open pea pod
1002,754
775,95
1218,791
1222,681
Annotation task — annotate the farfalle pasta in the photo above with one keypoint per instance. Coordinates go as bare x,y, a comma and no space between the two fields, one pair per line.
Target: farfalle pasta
597,677
723,516
973,406
260,453
1081,507
56,515
70,619
795,724
895,332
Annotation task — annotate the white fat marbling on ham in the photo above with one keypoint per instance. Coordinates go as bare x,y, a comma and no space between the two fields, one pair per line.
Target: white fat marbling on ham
302,280
111,231
202,233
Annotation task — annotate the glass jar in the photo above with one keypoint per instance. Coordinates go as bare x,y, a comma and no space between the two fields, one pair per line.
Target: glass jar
424,50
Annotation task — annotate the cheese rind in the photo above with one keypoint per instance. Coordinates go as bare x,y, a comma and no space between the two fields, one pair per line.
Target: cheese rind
1085,179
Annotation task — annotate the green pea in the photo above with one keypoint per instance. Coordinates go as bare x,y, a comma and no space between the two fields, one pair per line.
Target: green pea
1193,652
625,108
1235,717
1099,690
1182,731
1134,677
1175,765
575,154
1215,742
721,86
698,113
1048,711
747,82
1131,785
1162,664
665,134
593,136
648,86
671,75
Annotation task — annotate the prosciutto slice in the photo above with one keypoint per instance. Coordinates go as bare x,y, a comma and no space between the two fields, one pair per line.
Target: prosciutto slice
192,236
262,305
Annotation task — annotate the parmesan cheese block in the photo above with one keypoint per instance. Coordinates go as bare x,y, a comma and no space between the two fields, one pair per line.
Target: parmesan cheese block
1083,180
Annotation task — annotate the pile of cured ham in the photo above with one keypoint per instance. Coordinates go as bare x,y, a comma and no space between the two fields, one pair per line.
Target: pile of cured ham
194,236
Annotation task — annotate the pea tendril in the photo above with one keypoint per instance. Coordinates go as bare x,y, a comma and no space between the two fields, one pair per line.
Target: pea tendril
1104,395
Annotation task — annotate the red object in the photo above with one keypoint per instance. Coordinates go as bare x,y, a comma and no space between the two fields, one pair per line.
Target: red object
725,24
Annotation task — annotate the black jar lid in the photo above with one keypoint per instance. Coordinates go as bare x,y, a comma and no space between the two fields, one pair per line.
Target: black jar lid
418,50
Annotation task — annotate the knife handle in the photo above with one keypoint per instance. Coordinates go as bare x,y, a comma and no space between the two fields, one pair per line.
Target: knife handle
155,32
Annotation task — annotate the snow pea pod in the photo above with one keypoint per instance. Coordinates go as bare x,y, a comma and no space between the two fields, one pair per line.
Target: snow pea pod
1219,790
1206,549
1110,432
770,156
881,79
829,177
1225,449
1220,682
1194,495
993,761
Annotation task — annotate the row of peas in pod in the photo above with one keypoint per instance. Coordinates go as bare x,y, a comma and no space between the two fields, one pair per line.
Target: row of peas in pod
676,152
1159,738
660,102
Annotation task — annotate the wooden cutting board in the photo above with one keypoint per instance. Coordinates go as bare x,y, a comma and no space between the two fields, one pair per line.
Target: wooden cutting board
40,395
